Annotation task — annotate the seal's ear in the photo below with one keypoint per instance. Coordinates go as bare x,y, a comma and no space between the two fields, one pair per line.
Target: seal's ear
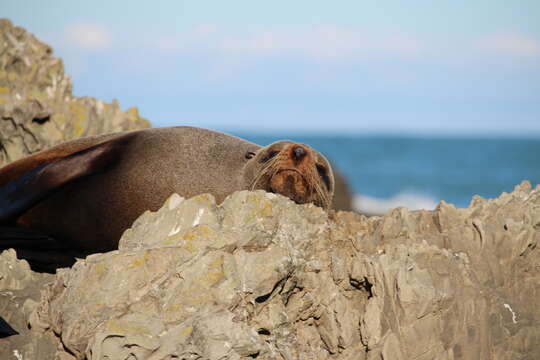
26,190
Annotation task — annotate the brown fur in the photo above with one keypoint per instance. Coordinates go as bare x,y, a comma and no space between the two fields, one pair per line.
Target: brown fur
18,168
304,179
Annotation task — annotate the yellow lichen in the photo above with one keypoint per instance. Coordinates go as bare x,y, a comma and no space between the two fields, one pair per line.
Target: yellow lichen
204,199
79,119
186,331
140,260
215,272
124,327
100,269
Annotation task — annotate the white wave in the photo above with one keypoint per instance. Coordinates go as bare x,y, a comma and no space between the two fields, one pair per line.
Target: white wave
413,201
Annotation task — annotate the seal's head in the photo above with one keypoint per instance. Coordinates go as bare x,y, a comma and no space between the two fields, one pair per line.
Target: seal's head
293,170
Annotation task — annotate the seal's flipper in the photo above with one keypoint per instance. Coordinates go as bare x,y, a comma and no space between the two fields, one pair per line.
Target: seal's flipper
42,252
26,190
17,237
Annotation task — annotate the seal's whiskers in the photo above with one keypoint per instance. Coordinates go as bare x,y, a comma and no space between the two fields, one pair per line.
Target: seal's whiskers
264,171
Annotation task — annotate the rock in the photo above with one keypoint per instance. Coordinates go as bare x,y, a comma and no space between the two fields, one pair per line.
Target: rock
453,283
37,108
261,277
20,292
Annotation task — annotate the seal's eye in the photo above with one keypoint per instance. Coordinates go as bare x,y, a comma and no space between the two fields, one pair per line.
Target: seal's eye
270,155
323,174
250,154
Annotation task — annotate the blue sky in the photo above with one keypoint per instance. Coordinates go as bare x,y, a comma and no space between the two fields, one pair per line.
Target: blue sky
415,67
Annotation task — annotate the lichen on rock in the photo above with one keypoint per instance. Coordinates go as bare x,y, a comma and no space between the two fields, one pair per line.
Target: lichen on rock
37,108
261,277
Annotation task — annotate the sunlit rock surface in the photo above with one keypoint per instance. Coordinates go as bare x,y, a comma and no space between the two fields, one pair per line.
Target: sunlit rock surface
20,292
262,277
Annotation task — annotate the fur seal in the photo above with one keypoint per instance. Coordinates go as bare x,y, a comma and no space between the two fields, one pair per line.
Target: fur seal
86,192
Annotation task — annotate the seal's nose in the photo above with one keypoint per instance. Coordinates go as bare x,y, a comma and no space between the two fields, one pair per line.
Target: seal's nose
299,152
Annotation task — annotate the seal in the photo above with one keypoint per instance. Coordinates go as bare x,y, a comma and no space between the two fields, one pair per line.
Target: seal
86,192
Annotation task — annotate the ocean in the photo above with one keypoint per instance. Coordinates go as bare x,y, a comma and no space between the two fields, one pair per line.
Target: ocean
417,172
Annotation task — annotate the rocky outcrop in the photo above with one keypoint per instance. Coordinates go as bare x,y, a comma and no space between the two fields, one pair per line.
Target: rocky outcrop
261,277
37,108
20,291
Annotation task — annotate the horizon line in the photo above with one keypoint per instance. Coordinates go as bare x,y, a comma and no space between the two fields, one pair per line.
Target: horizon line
398,133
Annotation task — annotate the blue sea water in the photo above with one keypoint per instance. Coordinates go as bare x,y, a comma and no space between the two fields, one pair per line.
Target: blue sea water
418,172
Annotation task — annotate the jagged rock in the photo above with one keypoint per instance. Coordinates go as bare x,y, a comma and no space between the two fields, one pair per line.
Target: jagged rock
453,283
261,277
37,108
20,292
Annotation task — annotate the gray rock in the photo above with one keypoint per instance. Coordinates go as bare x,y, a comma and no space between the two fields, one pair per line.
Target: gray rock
37,108
262,277
20,293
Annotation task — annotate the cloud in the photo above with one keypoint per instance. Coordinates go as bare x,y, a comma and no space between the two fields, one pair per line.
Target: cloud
321,44
335,44
510,44
198,37
89,36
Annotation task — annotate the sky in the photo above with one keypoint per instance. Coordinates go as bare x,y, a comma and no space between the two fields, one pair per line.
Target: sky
419,67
